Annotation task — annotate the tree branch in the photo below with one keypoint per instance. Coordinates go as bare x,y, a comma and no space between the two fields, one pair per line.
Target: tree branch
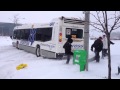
115,23
97,27
103,16
102,24
100,20
106,23
116,27
95,23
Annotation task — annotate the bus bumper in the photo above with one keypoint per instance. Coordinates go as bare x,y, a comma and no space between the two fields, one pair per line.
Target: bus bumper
59,55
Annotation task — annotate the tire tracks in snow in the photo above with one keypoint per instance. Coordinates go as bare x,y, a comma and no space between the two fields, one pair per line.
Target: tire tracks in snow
10,57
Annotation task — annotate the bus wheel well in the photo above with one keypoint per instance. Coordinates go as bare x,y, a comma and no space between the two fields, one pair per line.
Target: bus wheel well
38,46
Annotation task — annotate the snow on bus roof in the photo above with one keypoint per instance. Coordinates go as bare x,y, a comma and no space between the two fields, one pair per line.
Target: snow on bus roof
70,18
36,25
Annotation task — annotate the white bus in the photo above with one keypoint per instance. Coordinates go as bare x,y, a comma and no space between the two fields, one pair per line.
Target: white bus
47,40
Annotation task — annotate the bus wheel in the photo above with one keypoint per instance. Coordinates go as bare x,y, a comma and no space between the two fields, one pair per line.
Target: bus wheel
38,51
17,45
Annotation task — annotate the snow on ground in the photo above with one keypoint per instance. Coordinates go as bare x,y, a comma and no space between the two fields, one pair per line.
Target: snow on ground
5,41
39,68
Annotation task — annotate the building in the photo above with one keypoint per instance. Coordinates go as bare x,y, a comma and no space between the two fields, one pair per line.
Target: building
6,29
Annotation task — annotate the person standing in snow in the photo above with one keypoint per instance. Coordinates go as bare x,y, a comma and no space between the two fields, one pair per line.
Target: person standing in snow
98,45
67,46
105,46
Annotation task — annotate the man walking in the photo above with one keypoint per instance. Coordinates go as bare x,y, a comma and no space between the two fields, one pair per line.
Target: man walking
67,46
98,45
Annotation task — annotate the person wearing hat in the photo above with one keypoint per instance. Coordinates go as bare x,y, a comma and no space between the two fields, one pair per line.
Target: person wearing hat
67,46
98,45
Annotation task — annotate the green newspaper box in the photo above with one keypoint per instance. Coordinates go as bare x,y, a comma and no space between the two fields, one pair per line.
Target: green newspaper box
79,57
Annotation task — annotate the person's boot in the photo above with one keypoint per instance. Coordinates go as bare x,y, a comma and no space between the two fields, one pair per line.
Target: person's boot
102,57
97,60
67,62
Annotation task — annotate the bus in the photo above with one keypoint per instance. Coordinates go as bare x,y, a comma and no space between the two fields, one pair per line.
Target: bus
47,40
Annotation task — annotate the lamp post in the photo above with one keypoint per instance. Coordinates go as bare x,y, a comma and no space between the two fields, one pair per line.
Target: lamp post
86,35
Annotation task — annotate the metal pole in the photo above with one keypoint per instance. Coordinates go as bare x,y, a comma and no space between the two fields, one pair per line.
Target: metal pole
86,35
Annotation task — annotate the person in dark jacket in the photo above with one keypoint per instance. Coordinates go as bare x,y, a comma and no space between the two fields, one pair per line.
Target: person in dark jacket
67,46
98,45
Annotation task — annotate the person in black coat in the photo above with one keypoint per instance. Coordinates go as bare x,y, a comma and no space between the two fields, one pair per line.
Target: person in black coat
67,46
98,45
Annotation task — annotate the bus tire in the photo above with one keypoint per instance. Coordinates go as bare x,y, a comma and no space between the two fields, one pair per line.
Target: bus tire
60,57
17,43
38,51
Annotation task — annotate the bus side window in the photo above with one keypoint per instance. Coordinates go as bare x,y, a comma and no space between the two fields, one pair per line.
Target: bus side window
14,35
80,33
27,33
22,34
18,34
44,34
38,34
43,38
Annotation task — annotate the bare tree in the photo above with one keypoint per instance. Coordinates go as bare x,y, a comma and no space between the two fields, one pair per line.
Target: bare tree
104,25
15,19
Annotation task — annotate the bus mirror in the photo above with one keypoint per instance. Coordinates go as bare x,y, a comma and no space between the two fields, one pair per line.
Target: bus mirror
11,37
62,18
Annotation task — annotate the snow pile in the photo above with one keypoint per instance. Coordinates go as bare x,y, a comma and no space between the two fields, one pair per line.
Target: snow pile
5,41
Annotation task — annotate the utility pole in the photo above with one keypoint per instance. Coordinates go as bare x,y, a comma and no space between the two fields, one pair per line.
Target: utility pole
86,35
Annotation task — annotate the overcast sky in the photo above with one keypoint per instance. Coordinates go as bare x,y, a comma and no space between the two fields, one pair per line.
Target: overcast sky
37,16
40,16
